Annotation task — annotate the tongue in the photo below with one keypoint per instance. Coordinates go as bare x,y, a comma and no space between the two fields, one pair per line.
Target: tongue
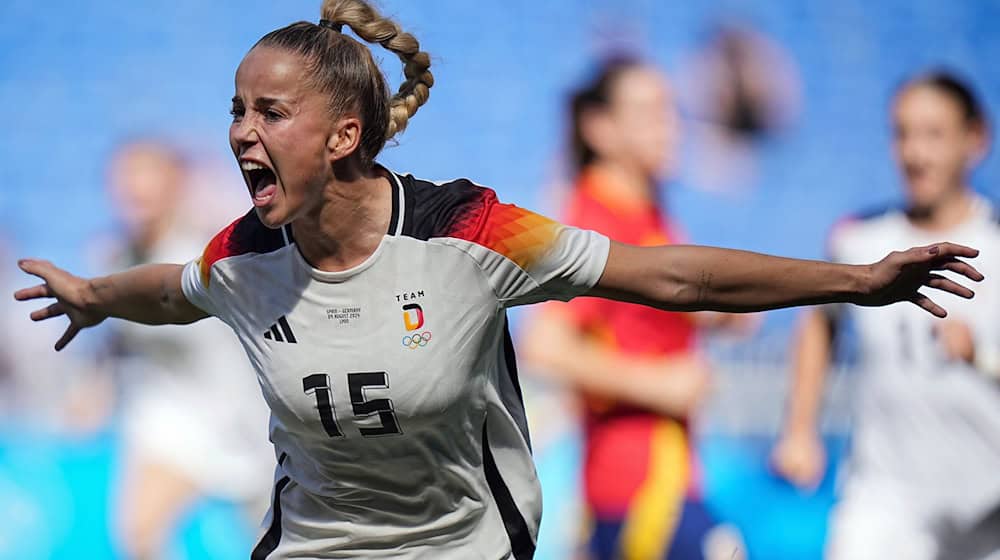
264,194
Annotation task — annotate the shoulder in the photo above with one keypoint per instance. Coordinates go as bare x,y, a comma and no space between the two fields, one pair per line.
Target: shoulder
866,221
461,209
465,211
990,210
244,236
444,209
587,211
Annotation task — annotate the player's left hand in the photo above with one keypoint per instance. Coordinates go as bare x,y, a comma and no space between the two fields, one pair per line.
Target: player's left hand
900,275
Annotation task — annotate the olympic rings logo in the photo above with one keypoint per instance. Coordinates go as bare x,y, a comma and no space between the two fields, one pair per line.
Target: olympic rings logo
415,341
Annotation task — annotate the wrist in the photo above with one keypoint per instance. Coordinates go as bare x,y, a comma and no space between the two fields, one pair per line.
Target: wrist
89,295
800,430
859,283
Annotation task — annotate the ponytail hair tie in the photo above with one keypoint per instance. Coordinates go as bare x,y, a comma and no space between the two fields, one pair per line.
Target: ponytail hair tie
330,25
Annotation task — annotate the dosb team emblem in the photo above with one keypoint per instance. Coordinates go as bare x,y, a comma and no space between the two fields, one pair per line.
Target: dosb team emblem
413,319
413,316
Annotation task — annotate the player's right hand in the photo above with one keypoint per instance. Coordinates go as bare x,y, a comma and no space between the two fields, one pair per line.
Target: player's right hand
70,293
800,458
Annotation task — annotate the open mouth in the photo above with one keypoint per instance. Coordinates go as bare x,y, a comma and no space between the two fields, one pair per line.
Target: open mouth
262,181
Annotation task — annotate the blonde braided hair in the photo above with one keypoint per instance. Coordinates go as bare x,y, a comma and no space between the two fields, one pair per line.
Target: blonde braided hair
371,26
345,70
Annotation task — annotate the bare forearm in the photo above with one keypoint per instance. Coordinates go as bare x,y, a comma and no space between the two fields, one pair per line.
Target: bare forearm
586,367
666,385
149,294
810,364
691,278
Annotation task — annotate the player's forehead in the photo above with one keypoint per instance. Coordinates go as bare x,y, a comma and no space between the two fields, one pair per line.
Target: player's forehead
268,72
924,103
640,84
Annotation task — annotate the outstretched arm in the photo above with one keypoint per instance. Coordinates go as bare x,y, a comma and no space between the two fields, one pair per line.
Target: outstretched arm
692,278
149,294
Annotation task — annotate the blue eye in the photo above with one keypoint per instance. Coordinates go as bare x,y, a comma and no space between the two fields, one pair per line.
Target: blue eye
272,115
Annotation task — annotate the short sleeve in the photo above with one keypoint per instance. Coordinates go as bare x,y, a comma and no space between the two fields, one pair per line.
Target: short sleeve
568,265
526,257
196,289
204,282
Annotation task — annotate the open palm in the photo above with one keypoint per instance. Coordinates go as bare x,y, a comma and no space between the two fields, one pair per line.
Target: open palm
68,291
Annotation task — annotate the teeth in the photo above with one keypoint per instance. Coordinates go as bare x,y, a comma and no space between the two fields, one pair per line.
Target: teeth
251,166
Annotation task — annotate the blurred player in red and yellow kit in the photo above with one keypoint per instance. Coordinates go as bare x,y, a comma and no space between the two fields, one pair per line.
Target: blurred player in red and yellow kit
637,368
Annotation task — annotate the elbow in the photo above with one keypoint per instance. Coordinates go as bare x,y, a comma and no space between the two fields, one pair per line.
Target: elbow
672,293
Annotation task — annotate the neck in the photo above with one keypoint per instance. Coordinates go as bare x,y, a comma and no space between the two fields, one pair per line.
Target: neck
629,183
946,214
349,223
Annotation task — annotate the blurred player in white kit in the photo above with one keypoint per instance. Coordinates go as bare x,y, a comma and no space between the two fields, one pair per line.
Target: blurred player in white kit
194,423
924,475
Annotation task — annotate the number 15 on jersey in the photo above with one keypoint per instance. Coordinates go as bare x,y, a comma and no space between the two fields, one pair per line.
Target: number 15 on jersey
318,384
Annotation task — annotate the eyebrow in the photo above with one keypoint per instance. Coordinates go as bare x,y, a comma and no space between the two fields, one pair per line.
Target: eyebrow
266,101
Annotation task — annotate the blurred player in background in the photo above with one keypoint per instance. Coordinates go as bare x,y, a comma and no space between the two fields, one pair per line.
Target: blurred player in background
194,424
924,476
640,474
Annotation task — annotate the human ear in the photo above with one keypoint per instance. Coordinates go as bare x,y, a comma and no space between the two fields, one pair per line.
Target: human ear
980,141
345,138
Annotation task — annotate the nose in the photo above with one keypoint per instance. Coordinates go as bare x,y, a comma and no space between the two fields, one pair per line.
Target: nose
913,151
243,134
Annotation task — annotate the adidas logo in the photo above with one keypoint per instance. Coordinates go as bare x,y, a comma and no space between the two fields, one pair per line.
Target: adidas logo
280,332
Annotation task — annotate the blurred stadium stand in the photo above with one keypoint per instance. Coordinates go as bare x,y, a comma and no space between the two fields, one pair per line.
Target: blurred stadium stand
78,77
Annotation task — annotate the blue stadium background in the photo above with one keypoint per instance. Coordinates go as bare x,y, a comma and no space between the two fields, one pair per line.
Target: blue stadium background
77,77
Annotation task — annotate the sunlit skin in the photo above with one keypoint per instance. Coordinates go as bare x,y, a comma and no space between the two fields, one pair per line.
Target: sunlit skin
935,146
338,210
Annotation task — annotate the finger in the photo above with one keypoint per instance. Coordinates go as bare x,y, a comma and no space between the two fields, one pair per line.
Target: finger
67,336
928,305
963,268
34,292
37,268
939,282
54,310
952,250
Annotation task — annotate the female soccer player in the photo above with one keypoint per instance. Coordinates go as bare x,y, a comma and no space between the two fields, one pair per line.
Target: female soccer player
637,367
373,305
926,448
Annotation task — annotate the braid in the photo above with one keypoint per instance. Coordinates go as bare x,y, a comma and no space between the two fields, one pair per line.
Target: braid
368,24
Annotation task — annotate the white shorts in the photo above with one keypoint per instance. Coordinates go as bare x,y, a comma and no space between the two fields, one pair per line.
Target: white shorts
205,445
877,519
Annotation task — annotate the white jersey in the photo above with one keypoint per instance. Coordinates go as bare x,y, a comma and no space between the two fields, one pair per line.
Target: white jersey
396,413
929,424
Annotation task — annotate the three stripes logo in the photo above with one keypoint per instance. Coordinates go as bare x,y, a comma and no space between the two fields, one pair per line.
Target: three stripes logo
281,332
